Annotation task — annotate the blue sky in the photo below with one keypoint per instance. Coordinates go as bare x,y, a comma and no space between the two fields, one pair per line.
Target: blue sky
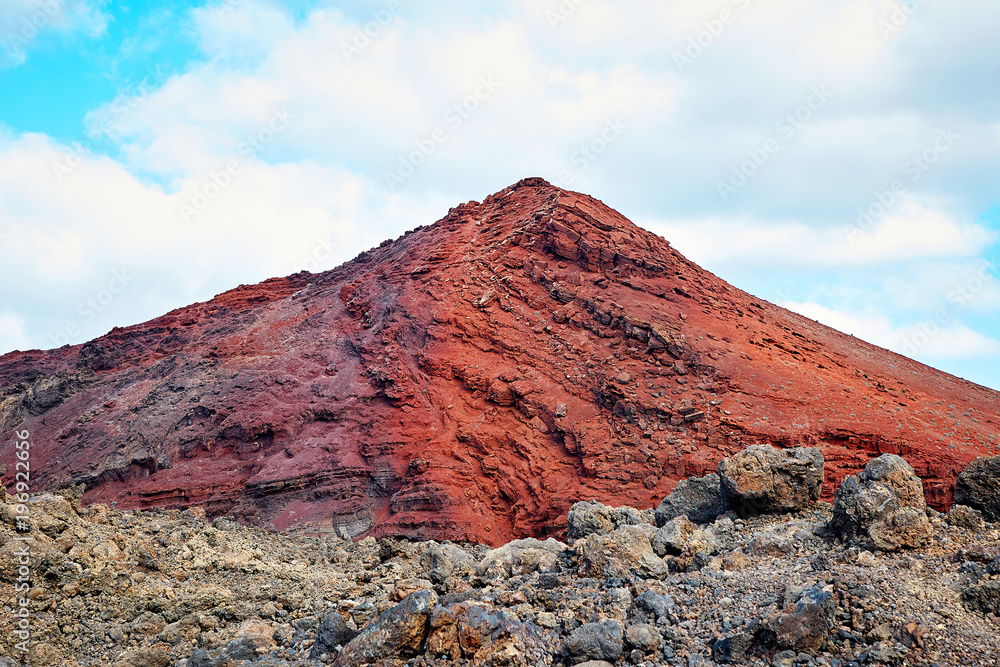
839,159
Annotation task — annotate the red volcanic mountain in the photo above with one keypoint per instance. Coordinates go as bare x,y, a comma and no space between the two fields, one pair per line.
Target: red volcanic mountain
471,380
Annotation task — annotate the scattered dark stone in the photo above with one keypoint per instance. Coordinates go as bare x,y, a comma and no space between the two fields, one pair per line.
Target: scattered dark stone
984,598
654,605
809,624
241,649
200,658
733,649
964,516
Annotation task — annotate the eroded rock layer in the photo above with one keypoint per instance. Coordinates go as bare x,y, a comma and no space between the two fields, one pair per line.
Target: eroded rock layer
472,380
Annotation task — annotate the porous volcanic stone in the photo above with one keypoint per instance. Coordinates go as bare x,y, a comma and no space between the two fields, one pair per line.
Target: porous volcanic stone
885,504
978,486
596,641
698,498
399,632
765,480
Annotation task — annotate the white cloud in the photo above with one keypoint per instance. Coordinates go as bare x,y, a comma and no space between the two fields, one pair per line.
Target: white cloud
12,333
926,340
67,238
24,21
918,229
375,105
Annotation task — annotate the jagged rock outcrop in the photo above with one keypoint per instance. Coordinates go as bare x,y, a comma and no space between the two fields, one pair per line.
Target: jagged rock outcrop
472,380
978,487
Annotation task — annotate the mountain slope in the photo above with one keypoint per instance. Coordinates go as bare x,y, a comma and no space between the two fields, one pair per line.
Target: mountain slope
471,380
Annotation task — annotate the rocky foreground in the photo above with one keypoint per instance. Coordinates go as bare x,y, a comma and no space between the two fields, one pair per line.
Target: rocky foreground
742,567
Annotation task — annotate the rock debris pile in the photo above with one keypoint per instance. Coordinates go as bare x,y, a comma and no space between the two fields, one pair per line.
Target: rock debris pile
741,567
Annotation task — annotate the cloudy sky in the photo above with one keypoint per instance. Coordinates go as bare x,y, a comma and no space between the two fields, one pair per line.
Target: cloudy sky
838,158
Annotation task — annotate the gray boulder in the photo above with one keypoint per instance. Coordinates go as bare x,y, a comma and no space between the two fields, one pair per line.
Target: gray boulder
734,649
903,528
521,557
698,498
871,505
622,554
398,633
438,562
964,516
596,641
978,486
806,626
333,631
650,607
984,598
765,480
673,536
643,636
592,518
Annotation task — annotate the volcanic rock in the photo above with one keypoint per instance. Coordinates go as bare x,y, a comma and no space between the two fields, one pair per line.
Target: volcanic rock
399,632
590,518
673,536
733,649
766,480
978,486
885,503
521,557
333,631
984,598
621,554
472,380
966,517
230,592
698,498
808,623
596,641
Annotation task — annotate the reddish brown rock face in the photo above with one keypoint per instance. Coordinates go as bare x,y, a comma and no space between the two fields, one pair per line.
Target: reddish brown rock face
471,380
